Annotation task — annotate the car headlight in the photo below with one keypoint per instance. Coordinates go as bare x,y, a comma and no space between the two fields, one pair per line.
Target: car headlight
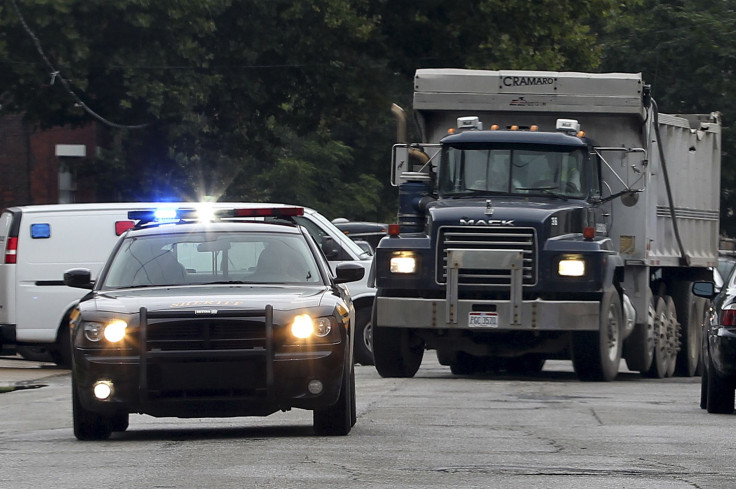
113,331
571,267
305,326
403,262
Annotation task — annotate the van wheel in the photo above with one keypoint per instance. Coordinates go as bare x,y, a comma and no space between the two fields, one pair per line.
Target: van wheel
363,349
61,354
89,425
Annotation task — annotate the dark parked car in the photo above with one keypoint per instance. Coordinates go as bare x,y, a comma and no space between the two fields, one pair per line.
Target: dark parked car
718,379
372,232
216,317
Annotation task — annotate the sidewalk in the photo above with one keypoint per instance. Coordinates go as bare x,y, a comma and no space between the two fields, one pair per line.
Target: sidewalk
15,371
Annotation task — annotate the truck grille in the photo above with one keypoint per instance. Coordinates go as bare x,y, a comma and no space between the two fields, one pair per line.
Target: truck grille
487,238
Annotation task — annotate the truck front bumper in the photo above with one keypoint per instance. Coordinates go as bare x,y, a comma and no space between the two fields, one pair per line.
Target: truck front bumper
526,315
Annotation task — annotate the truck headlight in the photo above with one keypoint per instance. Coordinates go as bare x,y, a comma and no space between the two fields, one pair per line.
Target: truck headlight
403,262
571,267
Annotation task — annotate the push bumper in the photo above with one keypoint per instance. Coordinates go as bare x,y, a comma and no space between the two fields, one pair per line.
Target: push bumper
528,315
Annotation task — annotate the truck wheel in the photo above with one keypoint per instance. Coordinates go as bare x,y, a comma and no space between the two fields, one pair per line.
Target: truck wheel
596,355
397,352
363,349
89,425
662,329
465,364
673,336
639,346
720,392
338,419
529,364
689,312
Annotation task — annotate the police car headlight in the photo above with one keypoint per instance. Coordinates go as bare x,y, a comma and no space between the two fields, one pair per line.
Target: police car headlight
571,267
403,262
115,330
305,326
93,331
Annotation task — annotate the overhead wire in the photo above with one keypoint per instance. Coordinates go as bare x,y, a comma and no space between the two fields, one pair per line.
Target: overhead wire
56,75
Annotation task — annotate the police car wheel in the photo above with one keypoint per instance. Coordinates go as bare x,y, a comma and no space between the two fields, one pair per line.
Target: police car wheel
720,393
88,425
338,419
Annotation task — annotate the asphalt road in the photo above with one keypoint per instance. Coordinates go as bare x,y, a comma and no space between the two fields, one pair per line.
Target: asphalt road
433,431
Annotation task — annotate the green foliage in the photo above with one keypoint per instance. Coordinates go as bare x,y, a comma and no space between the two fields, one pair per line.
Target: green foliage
281,100
686,51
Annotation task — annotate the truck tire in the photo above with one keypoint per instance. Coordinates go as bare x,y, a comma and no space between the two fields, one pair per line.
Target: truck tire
689,313
596,355
639,346
338,419
363,349
658,369
720,392
397,352
89,425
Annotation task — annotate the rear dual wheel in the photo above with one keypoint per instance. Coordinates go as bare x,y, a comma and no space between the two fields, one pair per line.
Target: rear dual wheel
665,338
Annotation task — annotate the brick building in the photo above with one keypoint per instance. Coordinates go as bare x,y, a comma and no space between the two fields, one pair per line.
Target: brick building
39,166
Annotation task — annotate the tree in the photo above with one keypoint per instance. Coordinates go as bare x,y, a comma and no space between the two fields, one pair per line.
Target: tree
250,100
686,51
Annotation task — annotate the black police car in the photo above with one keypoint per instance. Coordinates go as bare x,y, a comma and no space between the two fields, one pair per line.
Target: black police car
718,376
213,317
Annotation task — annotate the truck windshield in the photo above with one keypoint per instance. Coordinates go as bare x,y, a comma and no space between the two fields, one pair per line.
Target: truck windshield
473,169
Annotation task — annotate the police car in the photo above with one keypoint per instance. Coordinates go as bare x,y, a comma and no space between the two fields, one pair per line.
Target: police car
213,315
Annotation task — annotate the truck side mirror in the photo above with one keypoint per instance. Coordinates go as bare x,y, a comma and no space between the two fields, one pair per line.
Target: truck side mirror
80,278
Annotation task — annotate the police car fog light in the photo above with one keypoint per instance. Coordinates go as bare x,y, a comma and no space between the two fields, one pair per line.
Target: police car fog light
315,386
102,390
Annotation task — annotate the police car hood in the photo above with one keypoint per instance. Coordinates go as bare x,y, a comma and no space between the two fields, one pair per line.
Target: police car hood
499,210
218,297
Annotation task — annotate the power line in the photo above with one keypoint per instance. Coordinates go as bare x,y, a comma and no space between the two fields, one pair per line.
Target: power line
56,75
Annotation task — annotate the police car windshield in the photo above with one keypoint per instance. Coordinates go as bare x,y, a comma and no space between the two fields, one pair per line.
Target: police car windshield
472,169
212,258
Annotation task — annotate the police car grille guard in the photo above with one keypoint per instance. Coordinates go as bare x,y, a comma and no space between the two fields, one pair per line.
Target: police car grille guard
186,356
502,238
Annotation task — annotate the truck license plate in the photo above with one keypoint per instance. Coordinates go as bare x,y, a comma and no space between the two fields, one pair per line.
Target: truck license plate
483,320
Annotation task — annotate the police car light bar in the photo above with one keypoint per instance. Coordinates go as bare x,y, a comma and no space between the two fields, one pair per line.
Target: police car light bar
169,215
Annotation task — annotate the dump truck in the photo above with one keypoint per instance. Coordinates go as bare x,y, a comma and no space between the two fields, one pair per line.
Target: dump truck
547,215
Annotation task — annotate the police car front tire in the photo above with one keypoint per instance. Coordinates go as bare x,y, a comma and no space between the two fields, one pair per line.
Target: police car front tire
89,425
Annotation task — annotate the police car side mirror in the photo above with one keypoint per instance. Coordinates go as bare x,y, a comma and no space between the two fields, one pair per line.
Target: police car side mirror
330,248
348,272
80,278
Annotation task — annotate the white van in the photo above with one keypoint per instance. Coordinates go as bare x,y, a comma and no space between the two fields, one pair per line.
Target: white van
41,242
